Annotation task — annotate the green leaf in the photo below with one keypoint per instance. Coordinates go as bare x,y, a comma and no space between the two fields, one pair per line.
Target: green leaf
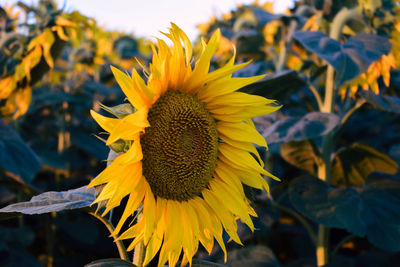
384,102
88,143
354,164
372,210
312,125
349,59
16,156
54,201
276,85
110,263
302,154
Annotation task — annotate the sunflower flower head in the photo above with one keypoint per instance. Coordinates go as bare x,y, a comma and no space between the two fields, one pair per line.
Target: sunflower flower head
188,144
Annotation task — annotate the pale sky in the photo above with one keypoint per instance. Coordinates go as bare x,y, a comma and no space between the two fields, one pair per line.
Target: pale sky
145,18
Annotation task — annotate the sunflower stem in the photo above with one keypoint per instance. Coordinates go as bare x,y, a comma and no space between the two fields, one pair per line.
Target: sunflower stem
140,249
139,254
120,245
325,168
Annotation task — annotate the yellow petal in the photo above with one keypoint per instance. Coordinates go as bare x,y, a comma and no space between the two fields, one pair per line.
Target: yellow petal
134,154
203,216
225,86
238,99
243,113
149,213
224,215
240,158
241,131
234,202
242,145
108,124
201,68
155,242
135,198
225,173
173,233
134,95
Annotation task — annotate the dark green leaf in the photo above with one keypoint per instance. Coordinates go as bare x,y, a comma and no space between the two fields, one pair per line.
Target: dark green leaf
302,154
54,201
16,156
53,158
387,103
372,210
110,263
312,125
276,85
255,256
354,164
89,143
349,59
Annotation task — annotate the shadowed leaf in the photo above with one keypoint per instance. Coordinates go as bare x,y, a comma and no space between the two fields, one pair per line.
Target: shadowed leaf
371,210
88,143
16,156
387,103
276,85
349,59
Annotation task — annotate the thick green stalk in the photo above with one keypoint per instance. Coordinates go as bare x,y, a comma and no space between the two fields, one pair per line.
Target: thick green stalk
325,168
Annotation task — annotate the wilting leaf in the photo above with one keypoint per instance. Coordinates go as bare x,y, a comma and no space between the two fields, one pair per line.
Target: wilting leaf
110,263
16,156
349,59
302,154
54,201
276,85
387,103
255,256
352,165
371,210
312,125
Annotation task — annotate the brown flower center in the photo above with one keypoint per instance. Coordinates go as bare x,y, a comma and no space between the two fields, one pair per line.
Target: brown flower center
180,148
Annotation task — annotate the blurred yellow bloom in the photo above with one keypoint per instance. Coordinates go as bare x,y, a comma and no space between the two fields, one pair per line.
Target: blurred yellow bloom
189,138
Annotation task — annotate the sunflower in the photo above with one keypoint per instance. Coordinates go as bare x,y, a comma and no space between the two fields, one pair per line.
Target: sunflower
188,149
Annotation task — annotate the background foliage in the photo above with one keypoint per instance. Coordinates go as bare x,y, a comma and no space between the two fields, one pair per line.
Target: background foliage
337,155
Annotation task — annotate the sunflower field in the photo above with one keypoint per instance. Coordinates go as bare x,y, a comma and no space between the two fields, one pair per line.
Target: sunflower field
272,140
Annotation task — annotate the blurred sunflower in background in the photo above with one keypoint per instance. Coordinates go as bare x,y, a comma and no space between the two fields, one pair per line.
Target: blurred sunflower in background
186,151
